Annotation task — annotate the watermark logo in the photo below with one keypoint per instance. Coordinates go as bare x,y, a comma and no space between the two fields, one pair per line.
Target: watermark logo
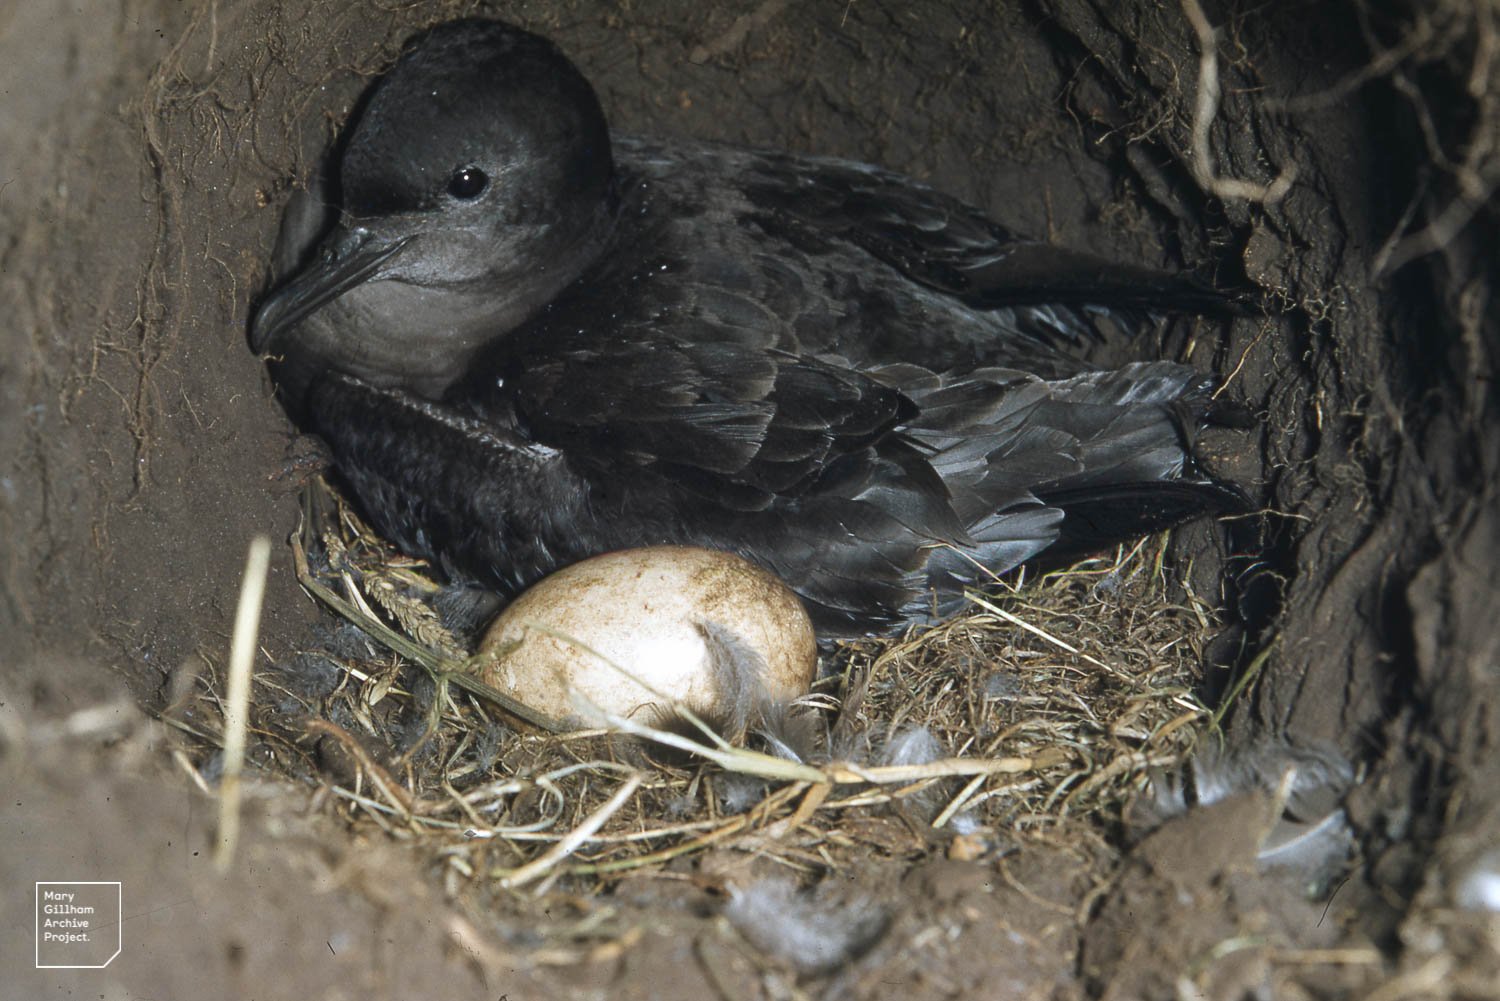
77,925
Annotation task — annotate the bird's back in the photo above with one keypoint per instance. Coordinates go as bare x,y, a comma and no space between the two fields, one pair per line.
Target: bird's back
791,378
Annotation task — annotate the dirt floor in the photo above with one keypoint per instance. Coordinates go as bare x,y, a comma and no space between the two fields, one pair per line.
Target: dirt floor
146,152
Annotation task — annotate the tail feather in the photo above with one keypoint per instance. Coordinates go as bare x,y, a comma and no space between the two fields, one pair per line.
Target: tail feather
1096,518
1056,469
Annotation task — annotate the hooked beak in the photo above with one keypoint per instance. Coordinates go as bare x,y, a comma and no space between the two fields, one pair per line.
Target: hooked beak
350,258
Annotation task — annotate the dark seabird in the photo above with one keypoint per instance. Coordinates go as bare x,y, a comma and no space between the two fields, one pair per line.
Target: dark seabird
526,341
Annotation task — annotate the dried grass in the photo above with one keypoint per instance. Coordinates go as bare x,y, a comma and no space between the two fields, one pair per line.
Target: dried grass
1044,707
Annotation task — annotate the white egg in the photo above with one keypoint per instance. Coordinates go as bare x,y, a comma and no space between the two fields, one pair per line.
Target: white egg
705,628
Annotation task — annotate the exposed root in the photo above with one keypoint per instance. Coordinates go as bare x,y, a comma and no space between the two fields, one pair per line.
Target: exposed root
1205,109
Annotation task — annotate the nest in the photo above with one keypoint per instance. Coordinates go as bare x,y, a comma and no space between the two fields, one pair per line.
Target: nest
1039,713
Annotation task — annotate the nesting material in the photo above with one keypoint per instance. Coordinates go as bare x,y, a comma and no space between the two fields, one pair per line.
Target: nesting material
631,632
1037,716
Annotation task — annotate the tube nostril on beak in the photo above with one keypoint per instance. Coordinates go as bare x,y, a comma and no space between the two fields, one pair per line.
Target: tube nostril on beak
345,243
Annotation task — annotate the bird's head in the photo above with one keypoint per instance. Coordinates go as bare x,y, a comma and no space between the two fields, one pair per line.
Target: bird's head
473,185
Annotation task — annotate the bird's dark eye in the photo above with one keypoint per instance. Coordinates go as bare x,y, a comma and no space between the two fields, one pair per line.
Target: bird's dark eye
468,182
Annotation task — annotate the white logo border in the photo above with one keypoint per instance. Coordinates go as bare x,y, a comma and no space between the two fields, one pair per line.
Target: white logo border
37,917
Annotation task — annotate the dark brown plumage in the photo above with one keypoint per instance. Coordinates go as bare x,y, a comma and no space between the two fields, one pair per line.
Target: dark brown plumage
526,344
